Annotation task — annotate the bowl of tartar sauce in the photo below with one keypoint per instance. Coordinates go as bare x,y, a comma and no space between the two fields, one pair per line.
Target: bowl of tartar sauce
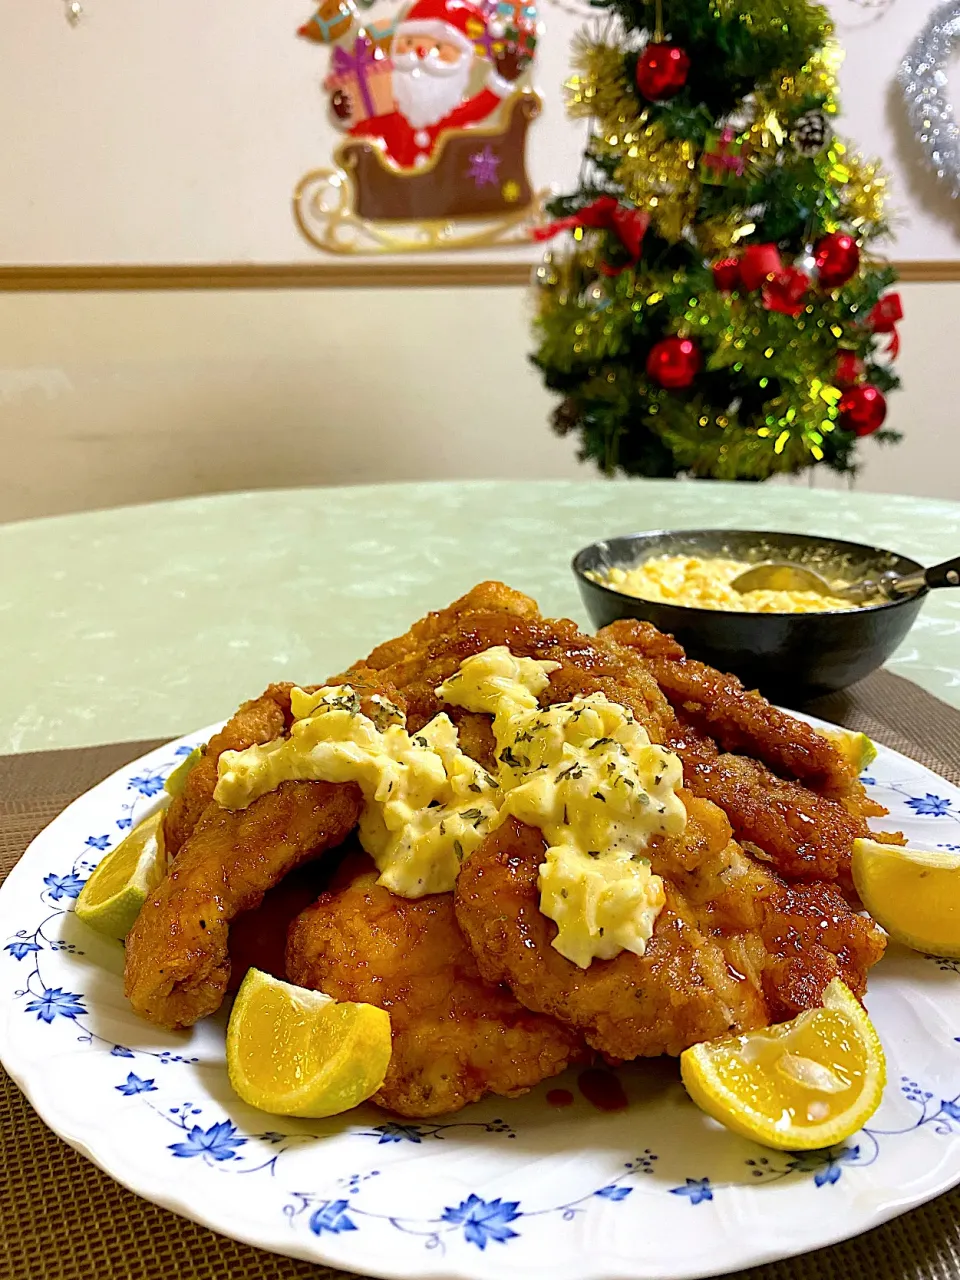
793,645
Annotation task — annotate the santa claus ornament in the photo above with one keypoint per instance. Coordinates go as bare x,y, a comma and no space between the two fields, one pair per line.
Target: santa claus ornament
434,104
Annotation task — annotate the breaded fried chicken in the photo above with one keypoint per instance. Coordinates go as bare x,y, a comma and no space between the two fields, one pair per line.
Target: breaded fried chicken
455,1037
177,964
738,719
731,950
258,721
802,835
490,615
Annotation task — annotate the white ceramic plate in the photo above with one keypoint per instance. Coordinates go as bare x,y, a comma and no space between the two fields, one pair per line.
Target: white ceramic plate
506,1188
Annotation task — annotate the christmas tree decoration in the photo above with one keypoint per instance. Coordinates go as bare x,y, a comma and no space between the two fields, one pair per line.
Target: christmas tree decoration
435,102
850,369
724,158
726,274
883,319
810,133
785,292
759,264
863,410
723,342
595,295
605,214
924,77
838,258
661,71
674,363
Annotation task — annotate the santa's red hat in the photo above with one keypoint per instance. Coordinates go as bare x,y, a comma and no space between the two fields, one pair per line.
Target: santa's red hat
455,21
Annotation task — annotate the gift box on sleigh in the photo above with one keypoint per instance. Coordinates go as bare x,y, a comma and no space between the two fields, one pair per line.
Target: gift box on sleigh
364,73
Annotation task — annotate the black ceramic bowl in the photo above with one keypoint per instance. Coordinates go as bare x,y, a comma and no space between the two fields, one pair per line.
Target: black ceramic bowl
790,657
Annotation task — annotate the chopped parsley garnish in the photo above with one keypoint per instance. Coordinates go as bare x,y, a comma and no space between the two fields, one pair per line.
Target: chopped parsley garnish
472,815
458,850
597,795
574,770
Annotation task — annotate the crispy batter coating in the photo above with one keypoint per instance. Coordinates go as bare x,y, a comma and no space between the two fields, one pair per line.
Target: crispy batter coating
740,720
258,721
812,937
177,965
802,835
729,952
455,1037
492,615
734,948
682,990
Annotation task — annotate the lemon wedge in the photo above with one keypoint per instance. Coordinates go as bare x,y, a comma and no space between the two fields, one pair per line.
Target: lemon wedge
177,780
796,1086
111,899
855,747
295,1052
914,895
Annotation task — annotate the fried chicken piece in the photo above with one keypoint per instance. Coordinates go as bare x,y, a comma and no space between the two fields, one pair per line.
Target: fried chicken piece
729,951
739,720
258,721
681,991
456,1038
812,937
177,964
804,836
493,615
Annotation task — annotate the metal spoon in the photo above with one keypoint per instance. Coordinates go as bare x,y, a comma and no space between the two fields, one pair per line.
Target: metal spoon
780,575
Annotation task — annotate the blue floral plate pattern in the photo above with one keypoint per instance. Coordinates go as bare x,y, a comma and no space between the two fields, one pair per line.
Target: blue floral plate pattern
506,1189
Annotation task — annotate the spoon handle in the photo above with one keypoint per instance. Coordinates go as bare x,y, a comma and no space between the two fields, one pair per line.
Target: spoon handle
946,574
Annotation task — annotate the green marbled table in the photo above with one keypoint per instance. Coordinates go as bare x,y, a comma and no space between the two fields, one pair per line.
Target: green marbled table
150,621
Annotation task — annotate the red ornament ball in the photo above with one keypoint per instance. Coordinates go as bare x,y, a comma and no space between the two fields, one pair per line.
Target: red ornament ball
838,258
760,263
726,274
863,410
674,363
850,369
661,71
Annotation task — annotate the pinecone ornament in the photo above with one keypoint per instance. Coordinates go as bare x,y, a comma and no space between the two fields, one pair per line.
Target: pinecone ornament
565,417
810,133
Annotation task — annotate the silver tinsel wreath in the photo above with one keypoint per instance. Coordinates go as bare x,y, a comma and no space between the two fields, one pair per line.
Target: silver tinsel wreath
924,79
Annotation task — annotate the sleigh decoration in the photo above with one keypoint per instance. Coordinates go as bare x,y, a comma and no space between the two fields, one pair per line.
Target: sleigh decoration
367,205
468,185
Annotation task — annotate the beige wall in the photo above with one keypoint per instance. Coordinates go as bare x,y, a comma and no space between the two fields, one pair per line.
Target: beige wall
110,398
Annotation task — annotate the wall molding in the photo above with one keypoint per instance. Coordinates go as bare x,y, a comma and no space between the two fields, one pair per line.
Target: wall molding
296,275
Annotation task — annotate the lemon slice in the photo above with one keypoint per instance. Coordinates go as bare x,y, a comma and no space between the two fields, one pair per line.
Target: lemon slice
797,1086
913,894
111,899
177,780
855,747
295,1052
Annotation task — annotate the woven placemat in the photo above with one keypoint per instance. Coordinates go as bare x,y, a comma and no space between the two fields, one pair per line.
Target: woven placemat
61,1218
